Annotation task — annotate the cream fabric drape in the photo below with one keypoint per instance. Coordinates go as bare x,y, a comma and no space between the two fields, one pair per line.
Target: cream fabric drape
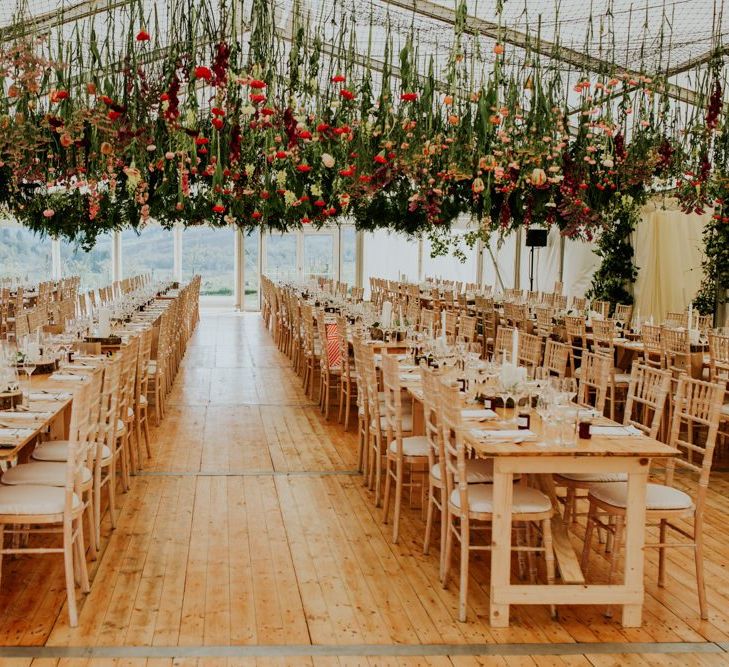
668,252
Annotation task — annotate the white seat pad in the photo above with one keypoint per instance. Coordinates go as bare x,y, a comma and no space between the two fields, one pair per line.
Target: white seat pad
143,400
595,476
478,471
407,422
658,496
27,499
47,473
525,500
416,445
57,450
725,409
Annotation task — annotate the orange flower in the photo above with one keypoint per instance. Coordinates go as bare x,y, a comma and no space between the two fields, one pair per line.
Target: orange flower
453,119
448,100
498,49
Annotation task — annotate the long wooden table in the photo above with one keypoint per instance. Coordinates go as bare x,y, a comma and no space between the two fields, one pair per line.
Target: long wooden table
628,454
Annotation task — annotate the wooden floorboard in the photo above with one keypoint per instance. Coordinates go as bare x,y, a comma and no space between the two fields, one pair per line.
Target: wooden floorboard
250,528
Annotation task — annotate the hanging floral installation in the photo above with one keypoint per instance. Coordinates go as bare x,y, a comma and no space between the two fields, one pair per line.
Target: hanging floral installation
203,123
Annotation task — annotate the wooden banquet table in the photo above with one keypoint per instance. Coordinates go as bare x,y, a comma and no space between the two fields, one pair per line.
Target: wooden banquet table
622,453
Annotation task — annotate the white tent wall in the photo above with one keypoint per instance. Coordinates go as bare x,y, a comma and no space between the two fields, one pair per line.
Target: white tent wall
546,263
668,252
389,255
450,267
499,263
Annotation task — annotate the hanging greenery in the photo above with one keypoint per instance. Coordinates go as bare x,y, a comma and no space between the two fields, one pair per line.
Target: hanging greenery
614,278
282,133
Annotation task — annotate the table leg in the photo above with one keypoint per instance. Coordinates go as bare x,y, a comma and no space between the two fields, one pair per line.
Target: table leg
634,543
501,544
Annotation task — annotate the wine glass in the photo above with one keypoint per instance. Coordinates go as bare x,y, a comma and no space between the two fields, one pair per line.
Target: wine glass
29,365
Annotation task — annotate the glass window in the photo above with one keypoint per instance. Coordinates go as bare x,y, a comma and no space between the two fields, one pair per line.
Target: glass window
251,251
348,249
281,256
24,253
209,252
93,266
319,255
150,251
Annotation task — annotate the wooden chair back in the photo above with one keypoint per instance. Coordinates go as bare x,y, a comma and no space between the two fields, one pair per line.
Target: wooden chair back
594,380
530,350
646,400
556,358
652,345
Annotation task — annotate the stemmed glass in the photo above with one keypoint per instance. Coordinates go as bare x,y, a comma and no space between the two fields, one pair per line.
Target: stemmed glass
29,365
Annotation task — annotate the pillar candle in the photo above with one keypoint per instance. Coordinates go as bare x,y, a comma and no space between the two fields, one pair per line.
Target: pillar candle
515,347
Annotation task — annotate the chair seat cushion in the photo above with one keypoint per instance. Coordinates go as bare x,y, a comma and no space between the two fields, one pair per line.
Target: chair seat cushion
478,471
57,450
142,400
27,499
525,499
130,413
658,496
47,473
407,422
725,410
416,445
593,476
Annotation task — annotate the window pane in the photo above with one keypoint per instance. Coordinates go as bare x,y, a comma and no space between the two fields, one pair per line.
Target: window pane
150,251
318,255
209,252
23,253
94,266
251,249
348,265
281,256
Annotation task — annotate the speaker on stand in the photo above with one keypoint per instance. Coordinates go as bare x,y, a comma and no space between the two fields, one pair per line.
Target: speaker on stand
535,238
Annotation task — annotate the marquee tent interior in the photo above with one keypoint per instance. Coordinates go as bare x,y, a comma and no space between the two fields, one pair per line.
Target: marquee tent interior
364,332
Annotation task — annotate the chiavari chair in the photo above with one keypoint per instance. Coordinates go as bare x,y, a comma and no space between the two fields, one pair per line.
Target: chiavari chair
579,303
545,326
311,350
141,403
623,314
470,506
676,320
556,358
719,372
604,334
576,333
594,380
559,302
694,428
427,322
601,308
644,409
467,328
329,374
530,350
503,345
652,346
402,452
37,508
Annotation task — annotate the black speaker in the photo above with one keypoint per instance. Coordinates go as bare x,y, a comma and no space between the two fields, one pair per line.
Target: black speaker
536,238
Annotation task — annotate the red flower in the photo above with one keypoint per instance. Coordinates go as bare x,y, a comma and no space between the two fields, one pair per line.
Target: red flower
203,151
365,179
218,123
304,198
303,168
202,72
257,84
305,220
339,78
347,172
114,115
59,95
257,98
265,194
217,111
218,208
320,203
409,97
281,155
380,159
268,111
256,215
331,211
164,97
142,36
391,154
201,141
346,94
107,100
304,134
322,127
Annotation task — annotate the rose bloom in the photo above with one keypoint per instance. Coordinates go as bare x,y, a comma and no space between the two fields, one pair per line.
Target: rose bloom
327,160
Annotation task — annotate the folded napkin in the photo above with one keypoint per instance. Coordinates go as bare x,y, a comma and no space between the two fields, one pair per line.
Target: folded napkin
409,377
507,435
68,377
615,431
50,396
12,433
24,416
478,414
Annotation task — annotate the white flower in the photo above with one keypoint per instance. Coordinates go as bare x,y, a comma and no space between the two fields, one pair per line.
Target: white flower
248,110
316,190
290,198
608,162
281,178
327,160
249,170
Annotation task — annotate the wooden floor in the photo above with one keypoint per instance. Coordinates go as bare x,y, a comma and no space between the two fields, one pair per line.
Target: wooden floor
251,529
